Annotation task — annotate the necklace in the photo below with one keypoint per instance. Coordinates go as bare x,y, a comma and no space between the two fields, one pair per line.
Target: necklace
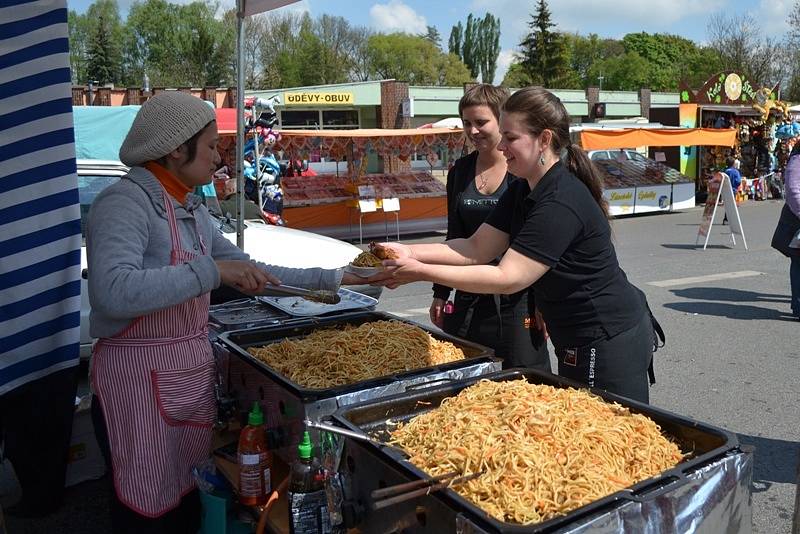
483,180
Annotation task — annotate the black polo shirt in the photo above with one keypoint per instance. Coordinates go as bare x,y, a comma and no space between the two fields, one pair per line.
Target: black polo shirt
585,295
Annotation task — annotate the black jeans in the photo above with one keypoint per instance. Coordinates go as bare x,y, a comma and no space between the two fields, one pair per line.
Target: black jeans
617,364
36,427
512,335
184,519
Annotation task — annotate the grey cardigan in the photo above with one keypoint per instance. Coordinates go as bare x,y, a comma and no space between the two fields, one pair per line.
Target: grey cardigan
128,247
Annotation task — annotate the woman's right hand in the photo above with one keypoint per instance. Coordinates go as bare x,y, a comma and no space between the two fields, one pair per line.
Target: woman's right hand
437,312
245,276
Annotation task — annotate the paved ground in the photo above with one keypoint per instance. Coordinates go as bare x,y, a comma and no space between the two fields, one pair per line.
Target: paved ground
731,360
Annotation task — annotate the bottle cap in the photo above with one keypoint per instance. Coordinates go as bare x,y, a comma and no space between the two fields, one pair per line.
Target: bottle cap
256,416
305,447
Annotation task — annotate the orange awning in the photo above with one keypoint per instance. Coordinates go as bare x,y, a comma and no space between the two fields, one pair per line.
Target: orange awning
633,137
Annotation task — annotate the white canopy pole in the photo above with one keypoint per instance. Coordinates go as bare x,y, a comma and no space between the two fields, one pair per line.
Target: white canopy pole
245,8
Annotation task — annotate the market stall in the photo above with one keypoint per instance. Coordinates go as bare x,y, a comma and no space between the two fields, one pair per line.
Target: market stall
644,185
341,203
754,114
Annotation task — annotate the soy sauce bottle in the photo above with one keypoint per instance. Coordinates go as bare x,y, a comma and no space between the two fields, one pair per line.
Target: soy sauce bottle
308,503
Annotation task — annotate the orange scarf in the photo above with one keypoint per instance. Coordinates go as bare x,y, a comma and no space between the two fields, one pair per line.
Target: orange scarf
177,189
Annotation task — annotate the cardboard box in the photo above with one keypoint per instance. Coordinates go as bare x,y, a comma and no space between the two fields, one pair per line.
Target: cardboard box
85,461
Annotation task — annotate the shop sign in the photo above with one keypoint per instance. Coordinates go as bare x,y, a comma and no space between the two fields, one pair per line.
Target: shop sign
653,198
620,201
318,99
728,88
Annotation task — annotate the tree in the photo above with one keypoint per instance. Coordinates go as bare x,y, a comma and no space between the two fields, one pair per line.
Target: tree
626,72
103,55
544,53
489,46
516,77
742,46
413,59
470,49
432,34
78,32
455,43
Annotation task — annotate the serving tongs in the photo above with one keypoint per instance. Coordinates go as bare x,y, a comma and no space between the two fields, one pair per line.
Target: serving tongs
389,496
323,296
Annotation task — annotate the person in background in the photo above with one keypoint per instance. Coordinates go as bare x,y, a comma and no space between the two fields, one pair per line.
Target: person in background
786,238
552,230
474,185
154,256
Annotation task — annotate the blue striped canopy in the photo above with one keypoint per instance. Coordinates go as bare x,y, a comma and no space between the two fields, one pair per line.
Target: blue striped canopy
40,230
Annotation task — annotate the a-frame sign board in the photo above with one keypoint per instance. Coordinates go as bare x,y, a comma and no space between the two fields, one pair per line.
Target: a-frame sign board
720,189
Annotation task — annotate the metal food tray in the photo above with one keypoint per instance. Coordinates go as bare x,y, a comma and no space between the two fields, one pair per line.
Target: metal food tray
370,466
287,404
301,307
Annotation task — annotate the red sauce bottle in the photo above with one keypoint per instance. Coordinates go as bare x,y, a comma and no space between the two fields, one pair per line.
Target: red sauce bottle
255,460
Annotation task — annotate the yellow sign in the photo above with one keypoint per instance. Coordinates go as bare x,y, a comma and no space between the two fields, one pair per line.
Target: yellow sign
647,195
615,197
317,99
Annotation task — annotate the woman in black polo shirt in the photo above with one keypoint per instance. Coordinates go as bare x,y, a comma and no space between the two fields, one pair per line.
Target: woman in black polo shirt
474,185
553,232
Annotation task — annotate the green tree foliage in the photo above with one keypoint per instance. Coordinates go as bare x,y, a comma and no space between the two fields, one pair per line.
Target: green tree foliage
455,43
544,52
516,77
78,32
414,59
470,50
104,31
489,46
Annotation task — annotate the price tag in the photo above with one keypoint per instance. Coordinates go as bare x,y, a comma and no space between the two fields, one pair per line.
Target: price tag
391,204
660,156
367,205
366,191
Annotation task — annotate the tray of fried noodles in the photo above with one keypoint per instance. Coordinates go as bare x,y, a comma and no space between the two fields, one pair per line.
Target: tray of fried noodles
359,351
549,450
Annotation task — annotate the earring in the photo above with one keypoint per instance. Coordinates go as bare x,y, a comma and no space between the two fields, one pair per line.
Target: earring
541,159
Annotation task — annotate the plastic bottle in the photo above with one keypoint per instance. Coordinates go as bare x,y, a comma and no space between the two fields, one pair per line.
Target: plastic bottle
255,460
308,503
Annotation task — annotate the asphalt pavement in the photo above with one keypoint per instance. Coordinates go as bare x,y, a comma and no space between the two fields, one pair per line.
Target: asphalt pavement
731,358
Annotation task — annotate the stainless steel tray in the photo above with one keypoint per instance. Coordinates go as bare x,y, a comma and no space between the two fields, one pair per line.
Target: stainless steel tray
300,307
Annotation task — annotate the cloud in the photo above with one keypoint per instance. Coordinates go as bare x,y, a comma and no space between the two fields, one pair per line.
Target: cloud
395,16
504,61
773,16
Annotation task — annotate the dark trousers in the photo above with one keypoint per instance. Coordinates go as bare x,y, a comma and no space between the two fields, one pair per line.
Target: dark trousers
794,279
617,364
185,519
36,426
511,334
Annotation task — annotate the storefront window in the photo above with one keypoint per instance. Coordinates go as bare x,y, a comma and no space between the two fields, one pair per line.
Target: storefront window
300,119
329,119
342,119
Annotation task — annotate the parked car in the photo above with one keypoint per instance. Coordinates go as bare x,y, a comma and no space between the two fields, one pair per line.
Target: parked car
615,154
276,245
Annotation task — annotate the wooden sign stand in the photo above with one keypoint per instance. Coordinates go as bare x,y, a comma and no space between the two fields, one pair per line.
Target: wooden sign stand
720,189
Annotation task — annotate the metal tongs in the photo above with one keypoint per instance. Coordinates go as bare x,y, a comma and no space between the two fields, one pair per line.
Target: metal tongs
389,496
323,296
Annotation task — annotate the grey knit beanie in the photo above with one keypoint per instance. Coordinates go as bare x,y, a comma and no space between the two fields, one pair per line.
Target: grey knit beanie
164,123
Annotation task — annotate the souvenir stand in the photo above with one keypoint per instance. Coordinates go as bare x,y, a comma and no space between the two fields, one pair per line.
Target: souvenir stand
333,204
729,101
642,186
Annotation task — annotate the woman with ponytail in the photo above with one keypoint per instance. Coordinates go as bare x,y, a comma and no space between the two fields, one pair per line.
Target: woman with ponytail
551,229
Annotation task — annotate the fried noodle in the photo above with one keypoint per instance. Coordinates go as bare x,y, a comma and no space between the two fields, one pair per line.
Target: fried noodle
366,259
333,357
545,450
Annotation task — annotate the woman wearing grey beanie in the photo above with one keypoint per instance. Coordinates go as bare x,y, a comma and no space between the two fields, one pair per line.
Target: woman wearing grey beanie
154,256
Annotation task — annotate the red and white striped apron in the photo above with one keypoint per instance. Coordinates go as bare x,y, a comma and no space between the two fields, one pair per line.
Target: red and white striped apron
155,382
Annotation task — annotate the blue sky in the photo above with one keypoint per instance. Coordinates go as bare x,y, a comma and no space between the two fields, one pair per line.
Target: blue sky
607,18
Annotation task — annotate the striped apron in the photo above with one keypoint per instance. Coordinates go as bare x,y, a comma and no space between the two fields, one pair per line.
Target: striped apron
155,382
